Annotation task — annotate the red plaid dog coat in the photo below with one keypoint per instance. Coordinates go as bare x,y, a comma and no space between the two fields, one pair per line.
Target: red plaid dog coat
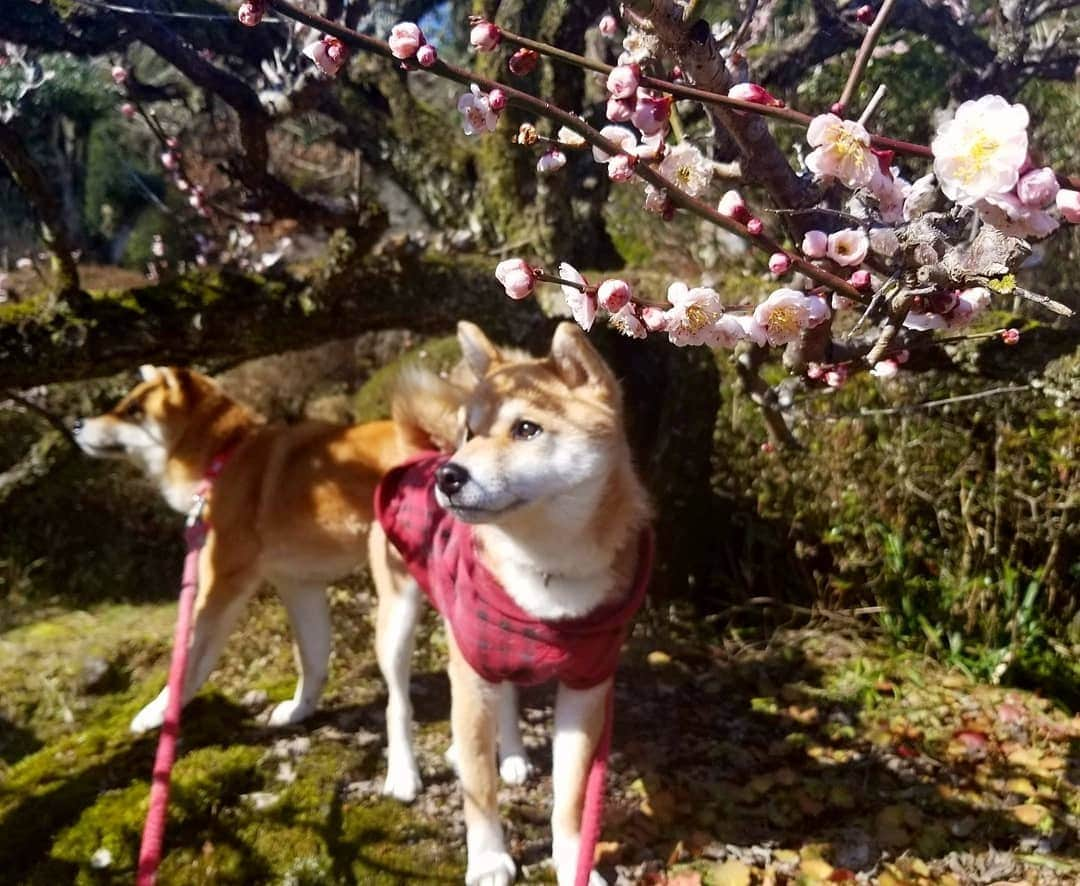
498,639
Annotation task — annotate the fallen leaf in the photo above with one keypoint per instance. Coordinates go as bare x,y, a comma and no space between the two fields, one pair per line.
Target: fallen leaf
972,740
607,852
816,868
1022,786
1030,814
684,878
729,873
658,659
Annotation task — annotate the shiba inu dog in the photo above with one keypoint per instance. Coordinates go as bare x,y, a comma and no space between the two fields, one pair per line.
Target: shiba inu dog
539,504
291,506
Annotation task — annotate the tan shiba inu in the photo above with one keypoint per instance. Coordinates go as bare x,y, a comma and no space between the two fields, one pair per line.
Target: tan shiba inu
543,472
292,507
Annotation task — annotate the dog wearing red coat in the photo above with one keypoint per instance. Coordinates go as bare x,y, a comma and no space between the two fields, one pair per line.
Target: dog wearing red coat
526,525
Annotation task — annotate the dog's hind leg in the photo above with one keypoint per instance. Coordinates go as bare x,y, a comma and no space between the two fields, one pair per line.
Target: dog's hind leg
579,720
395,630
309,616
473,715
513,761
221,598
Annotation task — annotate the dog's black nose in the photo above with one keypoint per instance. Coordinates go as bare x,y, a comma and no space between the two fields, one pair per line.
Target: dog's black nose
78,426
451,477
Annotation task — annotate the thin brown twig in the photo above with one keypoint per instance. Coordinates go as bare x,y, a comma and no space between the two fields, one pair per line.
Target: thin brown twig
862,59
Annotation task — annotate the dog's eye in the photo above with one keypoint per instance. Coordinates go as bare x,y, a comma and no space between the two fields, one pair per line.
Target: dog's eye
525,430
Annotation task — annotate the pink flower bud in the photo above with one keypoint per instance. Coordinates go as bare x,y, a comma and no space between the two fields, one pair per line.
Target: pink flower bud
613,295
815,371
608,25
752,92
329,54
619,110
621,167
551,161
676,74
836,376
837,108
496,99
169,160
516,277
779,264
815,244
251,12
484,36
902,356
426,56
405,39
623,80
119,75
865,14
523,62
1038,188
885,369
1068,204
127,109
755,227
651,113
1010,336
172,143
655,319
860,280
768,447
733,206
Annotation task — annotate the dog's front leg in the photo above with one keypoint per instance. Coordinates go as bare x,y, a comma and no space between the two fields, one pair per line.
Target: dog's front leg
579,720
473,714
309,617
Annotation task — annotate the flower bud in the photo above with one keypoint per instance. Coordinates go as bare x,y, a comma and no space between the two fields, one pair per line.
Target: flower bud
608,25
752,92
623,80
1010,336
516,276
1038,187
526,134
426,55
1068,204
405,39
613,295
755,226
523,62
484,36
551,161
733,206
779,264
860,280
119,75
128,110
815,244
619,110
496,99
655,319
865,14
621,167
251,12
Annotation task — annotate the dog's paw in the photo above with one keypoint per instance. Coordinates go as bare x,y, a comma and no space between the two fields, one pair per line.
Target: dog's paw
151,716
490,868
289,712
515,769
451,758
402,782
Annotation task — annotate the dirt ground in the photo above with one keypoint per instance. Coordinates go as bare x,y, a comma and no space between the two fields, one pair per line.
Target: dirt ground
808,756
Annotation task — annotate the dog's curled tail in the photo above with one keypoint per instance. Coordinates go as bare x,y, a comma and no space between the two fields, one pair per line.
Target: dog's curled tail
426,410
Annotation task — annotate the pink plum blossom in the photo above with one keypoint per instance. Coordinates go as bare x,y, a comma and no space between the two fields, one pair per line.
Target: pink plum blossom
650,114
621,167
405,39
1038,188
251,12
523,62
1068,204
733,206
608,25
170,160
582,304
624,138
496,99
752,330
479,116
329,54
815,244
426,55
836,376
727,332
551,161
1010,336
655,319
860,280
841,151
516,277
980,151
885,369
626,321
652,147
623,80
613,295
687,168
619,110
484,36
119,75
848,247
1006,213
786,312
752,92
128,110
692,315
779,264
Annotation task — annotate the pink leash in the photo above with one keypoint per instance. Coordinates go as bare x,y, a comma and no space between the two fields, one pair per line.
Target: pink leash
593,810
153,835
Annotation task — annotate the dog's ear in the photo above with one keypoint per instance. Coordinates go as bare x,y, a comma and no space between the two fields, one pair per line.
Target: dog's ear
578,362
479,353
148,372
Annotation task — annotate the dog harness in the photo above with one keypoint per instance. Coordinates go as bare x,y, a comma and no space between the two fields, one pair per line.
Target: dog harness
497,638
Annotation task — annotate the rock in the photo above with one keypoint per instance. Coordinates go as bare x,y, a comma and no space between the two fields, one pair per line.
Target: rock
261,800
254,700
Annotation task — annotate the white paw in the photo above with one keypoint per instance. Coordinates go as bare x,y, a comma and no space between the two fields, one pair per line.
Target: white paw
451,758
402,782
289,712
514,769
151,716
490,868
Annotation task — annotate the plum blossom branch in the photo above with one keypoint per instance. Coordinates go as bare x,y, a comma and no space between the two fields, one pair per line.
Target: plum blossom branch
862,59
